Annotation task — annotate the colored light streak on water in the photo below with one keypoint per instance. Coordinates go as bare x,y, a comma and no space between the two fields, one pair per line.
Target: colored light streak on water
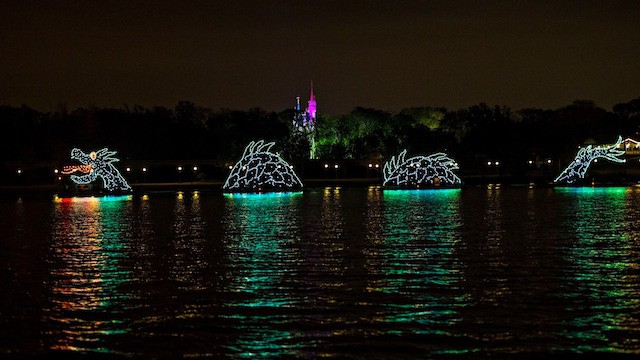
418,268
260,239
492,246
188,264
80,199
335,272
604,277
87,249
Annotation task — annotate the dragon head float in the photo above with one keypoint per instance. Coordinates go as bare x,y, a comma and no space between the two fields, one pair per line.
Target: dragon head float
577,169
97,164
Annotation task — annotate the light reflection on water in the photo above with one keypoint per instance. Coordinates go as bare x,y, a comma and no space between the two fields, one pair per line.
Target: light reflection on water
340,272
603,282
417,261
261,236
87,244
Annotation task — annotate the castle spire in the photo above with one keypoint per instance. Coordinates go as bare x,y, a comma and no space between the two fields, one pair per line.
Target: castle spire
311,109
311,97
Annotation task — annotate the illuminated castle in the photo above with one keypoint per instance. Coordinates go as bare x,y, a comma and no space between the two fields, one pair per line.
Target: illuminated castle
305,121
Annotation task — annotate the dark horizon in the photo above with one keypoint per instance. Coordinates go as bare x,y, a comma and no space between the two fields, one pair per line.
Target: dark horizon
375,54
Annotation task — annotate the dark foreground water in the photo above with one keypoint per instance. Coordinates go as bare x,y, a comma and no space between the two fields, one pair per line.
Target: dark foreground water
328,272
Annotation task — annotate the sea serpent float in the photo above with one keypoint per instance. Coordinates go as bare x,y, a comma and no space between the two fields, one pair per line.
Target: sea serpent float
261,170
435,170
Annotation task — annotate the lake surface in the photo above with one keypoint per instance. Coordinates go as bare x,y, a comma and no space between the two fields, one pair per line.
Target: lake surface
355,272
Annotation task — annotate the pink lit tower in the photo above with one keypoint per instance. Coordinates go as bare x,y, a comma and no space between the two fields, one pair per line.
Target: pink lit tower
304,122
311,110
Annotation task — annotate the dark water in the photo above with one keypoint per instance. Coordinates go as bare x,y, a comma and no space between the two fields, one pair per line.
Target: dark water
328,272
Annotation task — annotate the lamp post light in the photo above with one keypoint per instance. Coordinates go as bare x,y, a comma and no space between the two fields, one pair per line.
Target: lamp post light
144,174
19,171
335,170
493,163
128,170
179,173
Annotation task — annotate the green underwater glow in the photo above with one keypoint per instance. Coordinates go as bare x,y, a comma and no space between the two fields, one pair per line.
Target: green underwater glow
421,193
591,190
264,196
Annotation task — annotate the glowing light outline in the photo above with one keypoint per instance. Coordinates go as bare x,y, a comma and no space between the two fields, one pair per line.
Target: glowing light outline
101,165
577,169
398,170
240,177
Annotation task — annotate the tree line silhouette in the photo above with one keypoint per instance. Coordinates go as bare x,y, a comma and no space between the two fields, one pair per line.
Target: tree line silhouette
471,135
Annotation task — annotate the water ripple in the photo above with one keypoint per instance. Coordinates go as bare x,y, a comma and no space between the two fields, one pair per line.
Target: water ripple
329,272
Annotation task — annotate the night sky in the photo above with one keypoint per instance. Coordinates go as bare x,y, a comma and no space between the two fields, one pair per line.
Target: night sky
382,54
